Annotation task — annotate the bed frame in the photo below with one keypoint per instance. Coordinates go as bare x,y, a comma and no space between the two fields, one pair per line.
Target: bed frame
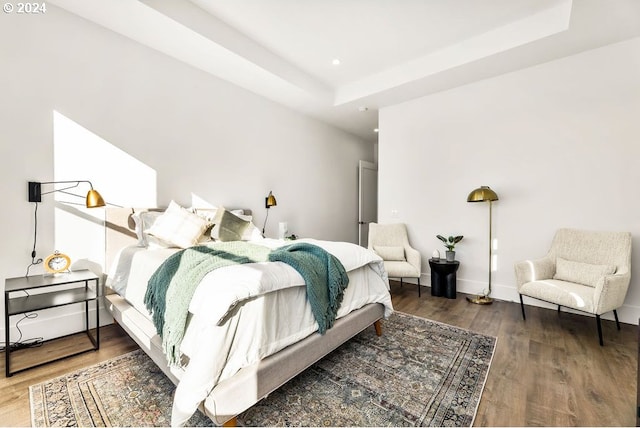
251,384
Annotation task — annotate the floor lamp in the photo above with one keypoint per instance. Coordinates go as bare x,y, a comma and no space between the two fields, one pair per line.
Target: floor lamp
484,194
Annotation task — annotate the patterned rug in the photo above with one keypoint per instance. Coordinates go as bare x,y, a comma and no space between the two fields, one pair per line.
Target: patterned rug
419,373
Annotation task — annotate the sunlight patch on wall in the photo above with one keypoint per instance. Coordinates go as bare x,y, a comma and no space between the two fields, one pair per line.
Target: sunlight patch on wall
79,154
198,202
494,256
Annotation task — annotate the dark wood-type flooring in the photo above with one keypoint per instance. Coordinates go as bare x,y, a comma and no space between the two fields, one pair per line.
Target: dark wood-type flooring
547,371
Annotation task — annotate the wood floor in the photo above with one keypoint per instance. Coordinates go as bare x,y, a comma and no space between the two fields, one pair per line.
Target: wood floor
547,371
14,390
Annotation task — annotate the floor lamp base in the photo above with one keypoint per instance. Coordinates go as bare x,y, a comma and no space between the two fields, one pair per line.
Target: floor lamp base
480,300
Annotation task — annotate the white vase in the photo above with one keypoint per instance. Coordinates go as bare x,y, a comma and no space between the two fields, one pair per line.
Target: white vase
283,229
435,254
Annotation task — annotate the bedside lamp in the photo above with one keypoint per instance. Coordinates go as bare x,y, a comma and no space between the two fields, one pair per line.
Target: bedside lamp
93,199
484,194
269,201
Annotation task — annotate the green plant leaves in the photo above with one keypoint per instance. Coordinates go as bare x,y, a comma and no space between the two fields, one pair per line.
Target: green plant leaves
451,241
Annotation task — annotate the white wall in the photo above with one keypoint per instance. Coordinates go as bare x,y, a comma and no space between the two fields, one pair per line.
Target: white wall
202,138
558,142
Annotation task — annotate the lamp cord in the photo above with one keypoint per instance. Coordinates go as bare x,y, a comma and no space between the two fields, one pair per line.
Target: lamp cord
265,222
27,343
34,261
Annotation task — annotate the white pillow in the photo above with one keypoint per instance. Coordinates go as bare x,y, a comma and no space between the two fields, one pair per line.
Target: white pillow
143,221
581,273
390,253
207,213
179,227
251,233
240,213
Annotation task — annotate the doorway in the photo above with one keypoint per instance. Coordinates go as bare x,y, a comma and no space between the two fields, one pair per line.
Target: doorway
367,199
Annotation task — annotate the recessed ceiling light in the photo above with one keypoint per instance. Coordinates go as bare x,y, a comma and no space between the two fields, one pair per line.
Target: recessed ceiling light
363,108
336,61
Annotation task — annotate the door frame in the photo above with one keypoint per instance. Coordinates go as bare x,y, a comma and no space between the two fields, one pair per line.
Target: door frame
364,165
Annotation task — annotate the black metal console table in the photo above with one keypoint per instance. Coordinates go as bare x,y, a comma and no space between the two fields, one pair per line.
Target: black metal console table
25,302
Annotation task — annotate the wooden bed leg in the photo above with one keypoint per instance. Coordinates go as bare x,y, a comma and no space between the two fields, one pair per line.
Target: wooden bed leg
233,422
378,326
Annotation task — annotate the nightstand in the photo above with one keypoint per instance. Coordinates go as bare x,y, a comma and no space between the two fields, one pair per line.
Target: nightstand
443,277
18,300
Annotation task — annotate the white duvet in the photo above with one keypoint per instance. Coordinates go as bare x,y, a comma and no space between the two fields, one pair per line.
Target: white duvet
243,313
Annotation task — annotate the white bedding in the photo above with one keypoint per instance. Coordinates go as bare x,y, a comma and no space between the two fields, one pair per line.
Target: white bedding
264,311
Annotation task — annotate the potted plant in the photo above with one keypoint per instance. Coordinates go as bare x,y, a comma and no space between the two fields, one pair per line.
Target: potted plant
450,243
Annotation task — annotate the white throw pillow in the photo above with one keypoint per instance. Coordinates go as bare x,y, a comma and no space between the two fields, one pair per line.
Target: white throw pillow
208,214
581,273
251,233
390,253
143,221
179,227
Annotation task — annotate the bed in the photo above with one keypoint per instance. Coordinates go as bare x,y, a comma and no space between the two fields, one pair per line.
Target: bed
240,344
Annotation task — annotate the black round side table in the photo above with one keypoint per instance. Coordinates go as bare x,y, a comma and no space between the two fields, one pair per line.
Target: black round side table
443,277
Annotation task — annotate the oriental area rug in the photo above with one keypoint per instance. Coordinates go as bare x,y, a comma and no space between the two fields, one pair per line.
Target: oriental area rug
418,373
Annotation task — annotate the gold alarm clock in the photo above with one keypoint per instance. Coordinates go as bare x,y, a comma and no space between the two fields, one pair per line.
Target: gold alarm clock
57,262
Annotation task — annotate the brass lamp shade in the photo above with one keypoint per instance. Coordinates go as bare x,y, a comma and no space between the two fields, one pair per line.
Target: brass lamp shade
482,194
270,201
94,199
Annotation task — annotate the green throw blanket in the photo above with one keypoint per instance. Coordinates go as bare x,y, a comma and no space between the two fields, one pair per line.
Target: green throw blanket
176,279
324,276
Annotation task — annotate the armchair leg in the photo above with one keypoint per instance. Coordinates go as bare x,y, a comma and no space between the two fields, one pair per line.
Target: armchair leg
421,287
599,329
615,314
559,308
522,307
400,282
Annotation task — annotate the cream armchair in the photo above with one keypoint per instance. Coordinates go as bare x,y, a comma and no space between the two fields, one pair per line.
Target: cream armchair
583,270
391,243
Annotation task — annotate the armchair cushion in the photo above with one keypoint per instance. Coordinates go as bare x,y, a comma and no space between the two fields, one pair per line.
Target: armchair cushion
567,294
396,269
581,273
390,253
